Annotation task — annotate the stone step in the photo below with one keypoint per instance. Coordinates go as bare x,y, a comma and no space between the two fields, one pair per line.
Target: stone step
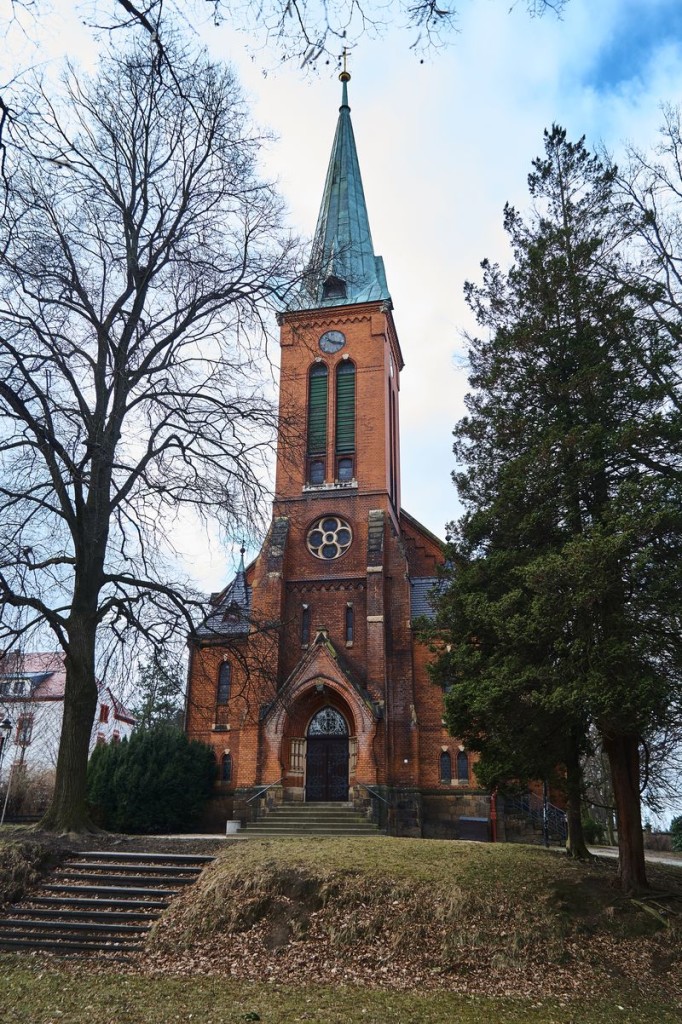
33,925
292,831
70,946
112,914
308,819
330,818
73,901
144,869
66,913
111,890
276,822
124,880
170,858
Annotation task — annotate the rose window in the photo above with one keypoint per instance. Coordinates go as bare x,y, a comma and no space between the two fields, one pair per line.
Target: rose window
329,537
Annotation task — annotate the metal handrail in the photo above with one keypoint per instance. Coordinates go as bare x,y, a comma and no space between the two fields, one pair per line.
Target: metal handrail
531,806
264,790
373,792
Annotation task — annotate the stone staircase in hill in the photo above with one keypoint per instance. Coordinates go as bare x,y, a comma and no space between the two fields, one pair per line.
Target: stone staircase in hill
314,819
99,902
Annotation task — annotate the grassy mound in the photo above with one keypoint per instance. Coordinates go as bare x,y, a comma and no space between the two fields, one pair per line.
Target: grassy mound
405,914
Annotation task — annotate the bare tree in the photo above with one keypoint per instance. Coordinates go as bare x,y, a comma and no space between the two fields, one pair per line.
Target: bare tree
651,191
140,252
311,30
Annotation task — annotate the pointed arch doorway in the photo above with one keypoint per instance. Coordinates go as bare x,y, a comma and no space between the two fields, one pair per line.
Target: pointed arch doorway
327,756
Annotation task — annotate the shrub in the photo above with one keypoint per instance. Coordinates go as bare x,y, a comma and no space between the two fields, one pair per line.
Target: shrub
676,833
30,792
156,781
593,831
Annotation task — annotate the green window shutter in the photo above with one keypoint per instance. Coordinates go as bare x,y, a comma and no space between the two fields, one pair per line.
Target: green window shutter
317,410
345,408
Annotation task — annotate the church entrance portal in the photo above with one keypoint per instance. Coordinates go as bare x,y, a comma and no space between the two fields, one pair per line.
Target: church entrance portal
327,757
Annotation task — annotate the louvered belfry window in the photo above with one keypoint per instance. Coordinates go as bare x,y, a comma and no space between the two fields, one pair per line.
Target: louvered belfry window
317,423
345,421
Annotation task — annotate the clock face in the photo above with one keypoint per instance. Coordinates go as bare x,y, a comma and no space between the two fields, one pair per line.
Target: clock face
332,341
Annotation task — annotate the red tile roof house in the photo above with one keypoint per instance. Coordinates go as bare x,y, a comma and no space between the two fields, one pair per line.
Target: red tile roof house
32,700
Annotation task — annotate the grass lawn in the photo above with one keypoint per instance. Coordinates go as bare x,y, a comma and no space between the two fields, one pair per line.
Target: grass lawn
43,994
378,930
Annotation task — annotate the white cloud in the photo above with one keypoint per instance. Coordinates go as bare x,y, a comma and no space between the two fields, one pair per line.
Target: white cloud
442,146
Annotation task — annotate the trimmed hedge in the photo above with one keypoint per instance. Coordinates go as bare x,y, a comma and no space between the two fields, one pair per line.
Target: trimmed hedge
156,781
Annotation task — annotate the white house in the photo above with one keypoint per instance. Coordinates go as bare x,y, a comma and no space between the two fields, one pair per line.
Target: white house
32,707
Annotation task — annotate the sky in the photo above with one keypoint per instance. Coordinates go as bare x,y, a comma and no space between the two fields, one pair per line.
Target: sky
442,146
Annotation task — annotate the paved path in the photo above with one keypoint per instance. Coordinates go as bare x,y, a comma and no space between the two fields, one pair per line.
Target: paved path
653,856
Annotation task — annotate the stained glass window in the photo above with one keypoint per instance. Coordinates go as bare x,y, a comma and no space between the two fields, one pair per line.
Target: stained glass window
328,722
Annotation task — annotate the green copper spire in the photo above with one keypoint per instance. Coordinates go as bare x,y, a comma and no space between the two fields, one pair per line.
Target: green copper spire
343,268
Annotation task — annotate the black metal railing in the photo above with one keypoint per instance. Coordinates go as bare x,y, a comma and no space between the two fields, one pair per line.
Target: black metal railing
379,806
544,816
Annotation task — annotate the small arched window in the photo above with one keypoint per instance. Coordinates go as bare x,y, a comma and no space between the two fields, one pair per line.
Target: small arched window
350,623
224,683
462,766
316,451
445,767
226,768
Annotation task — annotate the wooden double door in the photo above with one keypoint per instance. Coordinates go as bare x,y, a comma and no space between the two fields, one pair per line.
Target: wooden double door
326,768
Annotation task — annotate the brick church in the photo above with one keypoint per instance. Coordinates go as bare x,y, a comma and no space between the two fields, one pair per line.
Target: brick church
306,677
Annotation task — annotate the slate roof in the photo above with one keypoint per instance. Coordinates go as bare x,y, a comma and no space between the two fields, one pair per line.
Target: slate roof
343,254
420,589
230,615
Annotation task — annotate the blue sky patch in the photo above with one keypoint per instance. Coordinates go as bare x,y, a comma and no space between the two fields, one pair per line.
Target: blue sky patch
637,35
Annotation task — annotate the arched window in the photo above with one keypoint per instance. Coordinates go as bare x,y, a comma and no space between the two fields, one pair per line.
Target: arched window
318,379
226,768
462,766
328,722
445,767
224,683
345,421
350,623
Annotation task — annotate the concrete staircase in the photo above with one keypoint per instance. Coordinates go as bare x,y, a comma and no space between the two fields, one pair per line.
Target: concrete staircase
99,902
314,819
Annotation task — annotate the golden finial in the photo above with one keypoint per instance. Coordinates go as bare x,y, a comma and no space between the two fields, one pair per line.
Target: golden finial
345,74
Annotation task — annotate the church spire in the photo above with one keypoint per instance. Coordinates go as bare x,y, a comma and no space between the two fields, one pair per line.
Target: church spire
343,268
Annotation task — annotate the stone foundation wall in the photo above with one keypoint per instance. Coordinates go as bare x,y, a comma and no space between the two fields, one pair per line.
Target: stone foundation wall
456,815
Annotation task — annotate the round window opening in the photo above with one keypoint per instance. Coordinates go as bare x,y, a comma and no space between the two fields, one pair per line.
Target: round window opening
330,537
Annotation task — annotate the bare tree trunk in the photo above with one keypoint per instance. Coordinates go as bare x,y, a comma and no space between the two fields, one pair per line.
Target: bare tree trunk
623,755
68,810
575,843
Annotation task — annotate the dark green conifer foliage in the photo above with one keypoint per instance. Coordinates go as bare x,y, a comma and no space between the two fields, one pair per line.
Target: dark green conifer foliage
160,692
156,781
563,599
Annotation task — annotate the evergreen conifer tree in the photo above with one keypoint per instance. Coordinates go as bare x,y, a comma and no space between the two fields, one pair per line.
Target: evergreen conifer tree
156,781
160,692
562,595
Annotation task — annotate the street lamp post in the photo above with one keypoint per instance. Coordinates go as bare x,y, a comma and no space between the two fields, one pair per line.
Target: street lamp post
5,729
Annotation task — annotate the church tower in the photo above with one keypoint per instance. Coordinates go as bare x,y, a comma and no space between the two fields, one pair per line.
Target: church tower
306,676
